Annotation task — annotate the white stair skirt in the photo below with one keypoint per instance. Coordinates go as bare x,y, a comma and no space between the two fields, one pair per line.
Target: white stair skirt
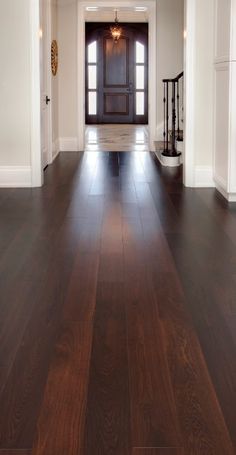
171,161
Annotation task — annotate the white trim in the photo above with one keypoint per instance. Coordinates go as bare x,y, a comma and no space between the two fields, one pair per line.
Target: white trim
55,149
219,181
232,128
221,186
231,197
15,176
49,78
189,110
222,59
233,31
151,12
81,75
152,74
35,140
204,177
68,144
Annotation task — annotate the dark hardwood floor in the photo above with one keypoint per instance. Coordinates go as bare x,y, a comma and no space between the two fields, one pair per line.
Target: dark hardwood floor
117,313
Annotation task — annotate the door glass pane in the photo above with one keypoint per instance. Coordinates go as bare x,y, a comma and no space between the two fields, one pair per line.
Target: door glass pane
139,77
92,52
92,77
92,103
140,52
139,103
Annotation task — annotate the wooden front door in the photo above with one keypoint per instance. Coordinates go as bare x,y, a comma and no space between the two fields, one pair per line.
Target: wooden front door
116,75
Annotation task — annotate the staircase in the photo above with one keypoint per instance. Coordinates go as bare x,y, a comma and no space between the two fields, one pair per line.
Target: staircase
172,145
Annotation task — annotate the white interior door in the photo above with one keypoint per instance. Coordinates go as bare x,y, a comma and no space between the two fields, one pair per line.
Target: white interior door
45,82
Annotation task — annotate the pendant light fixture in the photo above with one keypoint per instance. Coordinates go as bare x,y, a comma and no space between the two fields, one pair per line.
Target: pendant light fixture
116,29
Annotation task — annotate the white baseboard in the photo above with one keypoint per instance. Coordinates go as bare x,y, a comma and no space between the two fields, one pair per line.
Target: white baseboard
55,149
204,177
68,144
221,186
232,197
15,177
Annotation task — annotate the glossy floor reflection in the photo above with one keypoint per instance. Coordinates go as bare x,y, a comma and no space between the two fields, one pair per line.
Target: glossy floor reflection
116,138
117,312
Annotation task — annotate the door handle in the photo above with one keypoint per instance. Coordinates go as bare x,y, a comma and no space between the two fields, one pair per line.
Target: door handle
130,89
47,100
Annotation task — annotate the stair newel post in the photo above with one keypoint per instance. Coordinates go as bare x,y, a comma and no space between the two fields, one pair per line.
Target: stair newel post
173,150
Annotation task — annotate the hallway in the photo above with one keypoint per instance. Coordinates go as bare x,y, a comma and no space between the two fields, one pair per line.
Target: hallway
118,313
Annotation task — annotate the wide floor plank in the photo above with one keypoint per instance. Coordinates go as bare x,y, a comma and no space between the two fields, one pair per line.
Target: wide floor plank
62,416
117,312
107,427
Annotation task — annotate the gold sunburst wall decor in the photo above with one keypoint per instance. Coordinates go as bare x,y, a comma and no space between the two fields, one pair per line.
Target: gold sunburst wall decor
54,57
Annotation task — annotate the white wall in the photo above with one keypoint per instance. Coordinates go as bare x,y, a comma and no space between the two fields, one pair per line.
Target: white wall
67,38
55,81
199,96
20,157
170,48
225,99
14,83
204,78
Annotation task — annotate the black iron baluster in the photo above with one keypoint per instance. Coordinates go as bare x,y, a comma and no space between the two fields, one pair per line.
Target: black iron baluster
164,101
173,150
167,117
178,113
170,146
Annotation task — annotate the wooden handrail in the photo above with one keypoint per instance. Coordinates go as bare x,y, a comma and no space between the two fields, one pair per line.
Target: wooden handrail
175,79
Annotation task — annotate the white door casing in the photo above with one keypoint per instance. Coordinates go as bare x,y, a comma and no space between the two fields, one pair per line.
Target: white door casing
45,81
152,102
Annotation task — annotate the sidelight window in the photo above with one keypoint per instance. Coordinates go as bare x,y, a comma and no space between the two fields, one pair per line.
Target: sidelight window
140,78
139,103
92,78
140,53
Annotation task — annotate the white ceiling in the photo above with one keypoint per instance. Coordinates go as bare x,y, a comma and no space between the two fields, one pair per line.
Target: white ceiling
108,14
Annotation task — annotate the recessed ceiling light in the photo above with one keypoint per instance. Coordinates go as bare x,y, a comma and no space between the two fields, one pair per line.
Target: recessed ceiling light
91,8
140,8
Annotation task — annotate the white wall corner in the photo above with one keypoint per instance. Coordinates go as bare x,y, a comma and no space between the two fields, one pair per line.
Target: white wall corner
68,144
189,93
15,177
204,177
55,149
36,178
159,131
222,187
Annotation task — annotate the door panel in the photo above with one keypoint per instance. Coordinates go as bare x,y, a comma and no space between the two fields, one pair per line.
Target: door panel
116,60
115,103
115,98
116,88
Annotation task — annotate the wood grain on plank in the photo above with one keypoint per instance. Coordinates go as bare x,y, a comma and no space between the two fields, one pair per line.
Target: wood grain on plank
61,423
